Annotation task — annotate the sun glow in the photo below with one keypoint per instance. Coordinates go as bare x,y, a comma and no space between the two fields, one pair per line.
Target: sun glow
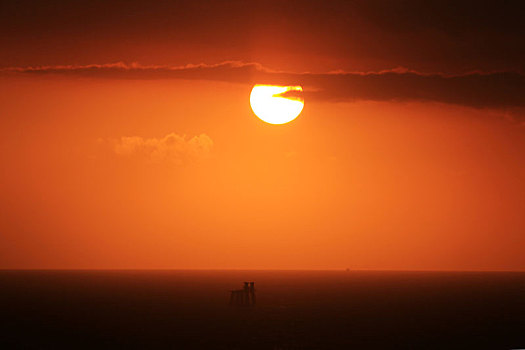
270,106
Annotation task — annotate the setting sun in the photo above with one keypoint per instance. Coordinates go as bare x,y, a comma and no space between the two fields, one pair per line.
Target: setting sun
269,104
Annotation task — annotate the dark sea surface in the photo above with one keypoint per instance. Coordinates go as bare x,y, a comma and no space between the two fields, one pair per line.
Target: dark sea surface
295,310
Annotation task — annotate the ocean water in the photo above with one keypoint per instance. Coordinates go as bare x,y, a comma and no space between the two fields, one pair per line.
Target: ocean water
295,310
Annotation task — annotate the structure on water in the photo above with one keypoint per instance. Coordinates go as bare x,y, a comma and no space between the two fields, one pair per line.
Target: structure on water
245,296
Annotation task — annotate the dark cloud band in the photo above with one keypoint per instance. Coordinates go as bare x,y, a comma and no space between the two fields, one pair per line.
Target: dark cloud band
477,89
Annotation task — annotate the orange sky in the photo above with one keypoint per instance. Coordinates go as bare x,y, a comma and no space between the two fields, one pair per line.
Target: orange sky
110,167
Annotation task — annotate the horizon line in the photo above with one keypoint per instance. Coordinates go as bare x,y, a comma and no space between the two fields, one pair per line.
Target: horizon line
260,270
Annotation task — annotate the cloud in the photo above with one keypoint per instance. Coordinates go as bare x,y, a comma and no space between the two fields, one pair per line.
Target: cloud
475,89
172,148
492,90
231,71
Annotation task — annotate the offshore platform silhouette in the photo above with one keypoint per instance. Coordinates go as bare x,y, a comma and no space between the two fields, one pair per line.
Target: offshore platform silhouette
245,296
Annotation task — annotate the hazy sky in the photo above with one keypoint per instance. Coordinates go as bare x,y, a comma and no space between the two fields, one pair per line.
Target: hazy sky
127,139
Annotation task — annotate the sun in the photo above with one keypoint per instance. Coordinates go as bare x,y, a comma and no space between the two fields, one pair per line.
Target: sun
269,104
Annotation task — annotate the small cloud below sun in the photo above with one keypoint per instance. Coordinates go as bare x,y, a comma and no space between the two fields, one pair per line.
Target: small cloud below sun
172,148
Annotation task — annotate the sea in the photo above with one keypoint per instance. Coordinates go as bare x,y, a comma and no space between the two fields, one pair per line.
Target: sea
182,309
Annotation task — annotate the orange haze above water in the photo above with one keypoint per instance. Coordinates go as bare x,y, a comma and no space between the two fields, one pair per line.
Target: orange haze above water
98,174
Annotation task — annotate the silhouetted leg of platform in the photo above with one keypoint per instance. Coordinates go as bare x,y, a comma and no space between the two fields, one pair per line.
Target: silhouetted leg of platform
245,296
